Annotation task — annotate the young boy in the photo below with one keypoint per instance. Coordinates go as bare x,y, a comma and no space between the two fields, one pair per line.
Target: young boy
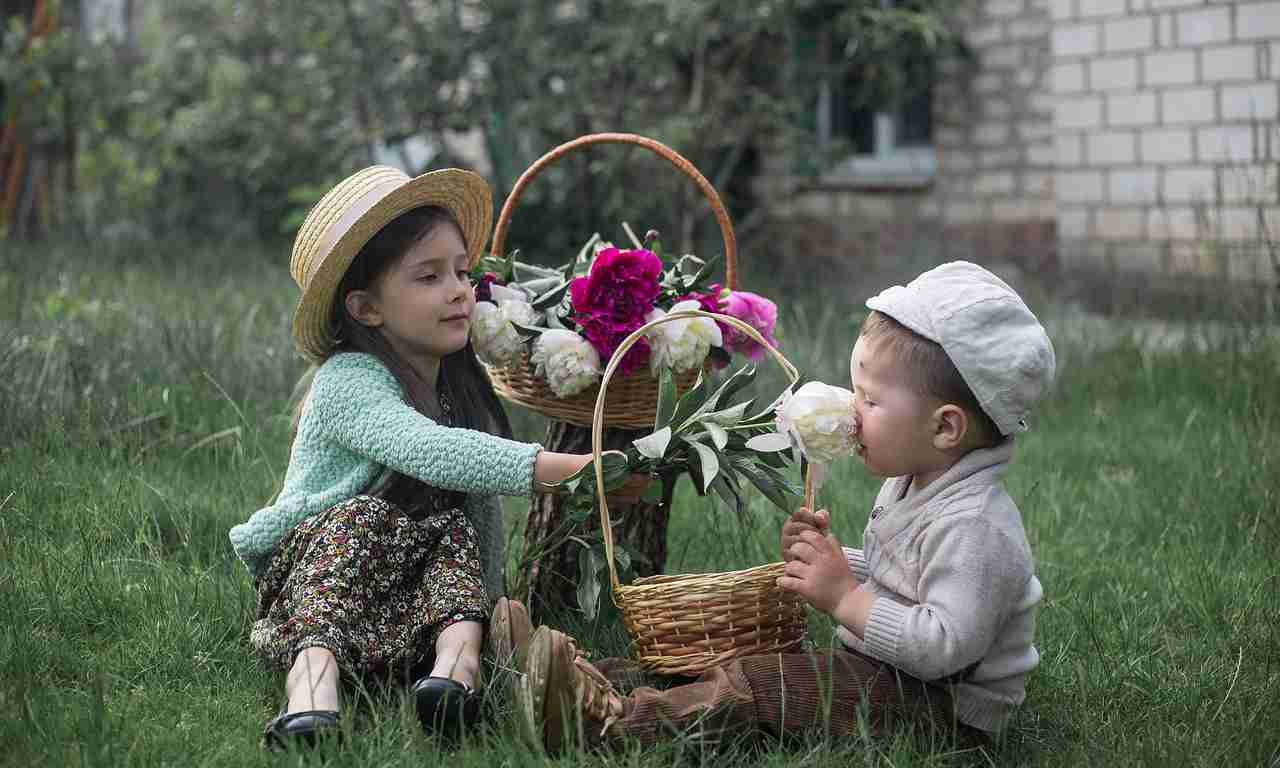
937,610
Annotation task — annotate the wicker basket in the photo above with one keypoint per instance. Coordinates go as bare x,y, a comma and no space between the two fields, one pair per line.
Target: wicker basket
684,624
633,398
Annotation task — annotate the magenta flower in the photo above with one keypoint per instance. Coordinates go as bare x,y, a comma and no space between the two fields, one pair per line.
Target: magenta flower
757,312
709,301
613,299
482,286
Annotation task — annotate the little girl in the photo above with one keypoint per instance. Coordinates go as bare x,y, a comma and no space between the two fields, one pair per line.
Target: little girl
384,547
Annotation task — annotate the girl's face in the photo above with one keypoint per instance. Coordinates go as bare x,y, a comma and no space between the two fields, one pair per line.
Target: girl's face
424,302
896,422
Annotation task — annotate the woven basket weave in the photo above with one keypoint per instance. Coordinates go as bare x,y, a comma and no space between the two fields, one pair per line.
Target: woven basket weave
684,624
633,398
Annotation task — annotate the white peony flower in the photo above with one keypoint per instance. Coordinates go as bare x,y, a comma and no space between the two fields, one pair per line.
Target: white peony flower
681,344
496,340
518,311
501,293
818,419
566,360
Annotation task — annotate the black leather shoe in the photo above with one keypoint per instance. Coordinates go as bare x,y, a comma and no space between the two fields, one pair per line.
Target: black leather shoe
306,729
445,706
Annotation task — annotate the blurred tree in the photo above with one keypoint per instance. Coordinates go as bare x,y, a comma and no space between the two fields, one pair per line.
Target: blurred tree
29,158
233,115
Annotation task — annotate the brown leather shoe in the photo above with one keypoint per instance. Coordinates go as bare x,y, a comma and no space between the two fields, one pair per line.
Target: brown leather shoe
564,696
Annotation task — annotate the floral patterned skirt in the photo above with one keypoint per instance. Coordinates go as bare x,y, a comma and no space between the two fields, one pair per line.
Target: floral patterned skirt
371,584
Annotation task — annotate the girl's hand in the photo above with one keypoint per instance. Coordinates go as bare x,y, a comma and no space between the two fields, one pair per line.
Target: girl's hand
818,571
551,468
631,491
800,521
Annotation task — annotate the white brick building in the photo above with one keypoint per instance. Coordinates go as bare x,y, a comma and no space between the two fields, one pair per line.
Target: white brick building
1118,136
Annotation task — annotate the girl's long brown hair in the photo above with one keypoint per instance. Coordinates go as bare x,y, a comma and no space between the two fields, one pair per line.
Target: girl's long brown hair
462,378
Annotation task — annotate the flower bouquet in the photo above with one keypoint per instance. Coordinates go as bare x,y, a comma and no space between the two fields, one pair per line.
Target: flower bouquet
548,355
556,326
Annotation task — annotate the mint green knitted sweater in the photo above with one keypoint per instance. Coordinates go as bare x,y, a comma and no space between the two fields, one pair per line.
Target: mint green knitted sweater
355,427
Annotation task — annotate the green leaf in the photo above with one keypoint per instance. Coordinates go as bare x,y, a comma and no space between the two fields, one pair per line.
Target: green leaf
769,443
617,468
552,297
727,493
654,446
765,485
666,399
524,272
622,557
740,378
719,437
727,417
540,285
707,268
709,462
728,386
588,583
528,331
690,402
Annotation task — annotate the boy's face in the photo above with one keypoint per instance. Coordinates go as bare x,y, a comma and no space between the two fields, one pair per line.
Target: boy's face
896,423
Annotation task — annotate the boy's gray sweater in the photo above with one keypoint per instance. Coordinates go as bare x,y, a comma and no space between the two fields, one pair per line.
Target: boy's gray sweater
955,586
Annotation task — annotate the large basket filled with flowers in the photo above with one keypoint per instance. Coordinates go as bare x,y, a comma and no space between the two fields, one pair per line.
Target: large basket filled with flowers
543,333
684,624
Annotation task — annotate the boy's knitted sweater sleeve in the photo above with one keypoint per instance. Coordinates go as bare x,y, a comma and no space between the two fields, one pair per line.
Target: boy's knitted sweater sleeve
857,561
357,403
967,585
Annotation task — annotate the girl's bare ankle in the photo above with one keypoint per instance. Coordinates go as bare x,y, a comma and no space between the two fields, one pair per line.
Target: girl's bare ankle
312,683
463,668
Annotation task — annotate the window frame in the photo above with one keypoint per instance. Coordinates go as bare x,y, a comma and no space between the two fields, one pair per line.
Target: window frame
888,165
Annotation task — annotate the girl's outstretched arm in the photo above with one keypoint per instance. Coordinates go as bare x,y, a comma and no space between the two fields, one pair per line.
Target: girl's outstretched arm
550,468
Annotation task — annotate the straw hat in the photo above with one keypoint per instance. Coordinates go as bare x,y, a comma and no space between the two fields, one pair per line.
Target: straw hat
353,212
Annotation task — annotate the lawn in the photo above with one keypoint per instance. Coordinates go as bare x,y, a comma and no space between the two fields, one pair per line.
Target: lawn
143,398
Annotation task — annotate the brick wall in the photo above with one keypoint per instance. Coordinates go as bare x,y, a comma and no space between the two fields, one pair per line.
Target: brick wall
994,137
1166,135
1095,136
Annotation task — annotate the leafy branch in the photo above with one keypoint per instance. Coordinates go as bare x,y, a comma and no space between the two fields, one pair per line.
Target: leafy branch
702,432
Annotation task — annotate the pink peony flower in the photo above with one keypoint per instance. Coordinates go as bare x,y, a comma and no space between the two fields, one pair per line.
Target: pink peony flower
613,299
756,311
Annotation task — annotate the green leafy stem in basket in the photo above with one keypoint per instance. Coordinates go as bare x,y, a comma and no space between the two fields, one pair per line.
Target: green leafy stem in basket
702,432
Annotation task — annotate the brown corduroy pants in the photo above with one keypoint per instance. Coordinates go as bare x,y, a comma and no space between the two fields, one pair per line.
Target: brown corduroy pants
786,693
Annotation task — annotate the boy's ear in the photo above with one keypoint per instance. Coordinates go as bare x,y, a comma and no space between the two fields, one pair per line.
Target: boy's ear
951,426
362,306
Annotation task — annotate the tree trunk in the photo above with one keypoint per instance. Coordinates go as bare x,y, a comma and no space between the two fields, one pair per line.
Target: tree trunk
22,162
548,578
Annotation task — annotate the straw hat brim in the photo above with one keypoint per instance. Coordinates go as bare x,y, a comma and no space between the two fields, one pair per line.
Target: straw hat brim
464,194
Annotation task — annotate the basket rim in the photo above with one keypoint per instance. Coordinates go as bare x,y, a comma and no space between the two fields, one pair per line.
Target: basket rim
673,157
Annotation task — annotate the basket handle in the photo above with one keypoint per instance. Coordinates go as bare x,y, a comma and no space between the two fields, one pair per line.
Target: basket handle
659,149
597,424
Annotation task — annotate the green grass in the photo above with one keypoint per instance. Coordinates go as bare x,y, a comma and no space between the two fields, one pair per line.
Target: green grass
142,413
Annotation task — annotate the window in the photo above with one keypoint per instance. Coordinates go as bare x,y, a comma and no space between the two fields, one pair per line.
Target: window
889,148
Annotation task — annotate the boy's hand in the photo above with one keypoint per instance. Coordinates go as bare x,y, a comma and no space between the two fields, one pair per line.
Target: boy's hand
800,521
818,572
